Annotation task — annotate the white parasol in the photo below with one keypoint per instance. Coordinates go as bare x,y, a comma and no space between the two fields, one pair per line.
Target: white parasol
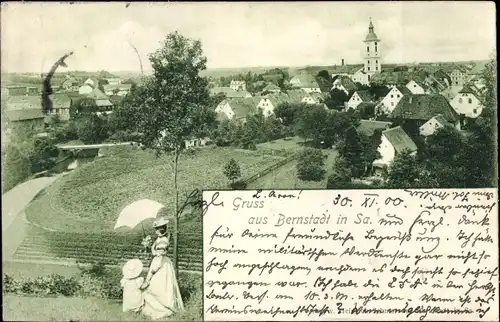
137,212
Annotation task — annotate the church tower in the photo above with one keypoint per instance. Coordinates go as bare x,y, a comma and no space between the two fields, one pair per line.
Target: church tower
372,52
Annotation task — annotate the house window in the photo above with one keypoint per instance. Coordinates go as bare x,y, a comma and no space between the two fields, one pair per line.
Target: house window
474,110
392,103
368,68
367,49
375,47
376,67
392,96
470,100
456,83
397,96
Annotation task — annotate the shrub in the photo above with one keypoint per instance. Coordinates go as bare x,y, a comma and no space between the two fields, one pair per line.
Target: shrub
92,129
310,165
232,170
238,185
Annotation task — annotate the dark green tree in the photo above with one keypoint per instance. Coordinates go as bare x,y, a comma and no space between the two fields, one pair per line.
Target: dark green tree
351,149
91,129
174,106
310,165
341,174
404,171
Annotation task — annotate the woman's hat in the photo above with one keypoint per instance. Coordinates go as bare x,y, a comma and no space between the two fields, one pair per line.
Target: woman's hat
132,268
160,222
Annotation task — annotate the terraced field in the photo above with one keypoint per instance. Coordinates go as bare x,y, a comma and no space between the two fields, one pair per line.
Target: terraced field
111,248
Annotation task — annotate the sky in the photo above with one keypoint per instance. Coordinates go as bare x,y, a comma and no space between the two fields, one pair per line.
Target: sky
35,35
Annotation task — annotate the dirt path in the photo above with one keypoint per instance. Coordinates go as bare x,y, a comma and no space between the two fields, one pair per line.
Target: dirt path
14,202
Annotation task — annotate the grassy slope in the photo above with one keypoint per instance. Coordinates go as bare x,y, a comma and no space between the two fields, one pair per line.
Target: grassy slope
21,308
286,176
91,197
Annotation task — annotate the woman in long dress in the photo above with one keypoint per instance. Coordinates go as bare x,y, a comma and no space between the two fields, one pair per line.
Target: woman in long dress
161,293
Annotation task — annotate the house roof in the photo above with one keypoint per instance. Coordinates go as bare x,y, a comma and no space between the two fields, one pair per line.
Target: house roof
121,87
469,89
424,107
60,101
368,127
103,102
24,102
278,98
397,77
364,95
23,115
439,118
404,90
307,80
271,87
242,107
348,84
294,95
399,139
230,93
94,80
97,94
115,99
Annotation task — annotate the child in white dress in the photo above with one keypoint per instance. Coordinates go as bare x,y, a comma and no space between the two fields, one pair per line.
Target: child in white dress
131,283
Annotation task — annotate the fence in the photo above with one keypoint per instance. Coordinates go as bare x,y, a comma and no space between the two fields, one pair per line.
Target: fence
269,169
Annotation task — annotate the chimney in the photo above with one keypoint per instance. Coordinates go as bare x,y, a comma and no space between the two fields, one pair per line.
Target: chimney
342,61
410,99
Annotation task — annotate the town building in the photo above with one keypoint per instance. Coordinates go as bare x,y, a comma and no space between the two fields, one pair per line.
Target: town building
229,92
467,103
415,87
344,83
415,110
357,98
238,85
61,104
306,82
389,102
393,142
237,109
431,126
372,59
117,89
271,88
17,90
25,121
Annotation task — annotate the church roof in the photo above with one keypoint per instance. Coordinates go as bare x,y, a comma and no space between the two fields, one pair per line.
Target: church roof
371,36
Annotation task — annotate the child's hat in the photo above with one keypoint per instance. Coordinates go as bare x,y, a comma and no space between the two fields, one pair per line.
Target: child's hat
132,268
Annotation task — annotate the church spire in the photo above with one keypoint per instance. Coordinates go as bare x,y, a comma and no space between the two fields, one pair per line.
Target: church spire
370,26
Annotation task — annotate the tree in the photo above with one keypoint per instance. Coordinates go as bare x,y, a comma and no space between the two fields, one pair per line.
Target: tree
351,149
174,106
404,171
370,149
337,99
378,91
91,129
288,112
325,75
310,165
85,105
341,174
232,170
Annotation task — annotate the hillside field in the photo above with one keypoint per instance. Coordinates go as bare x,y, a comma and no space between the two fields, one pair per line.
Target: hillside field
89,199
